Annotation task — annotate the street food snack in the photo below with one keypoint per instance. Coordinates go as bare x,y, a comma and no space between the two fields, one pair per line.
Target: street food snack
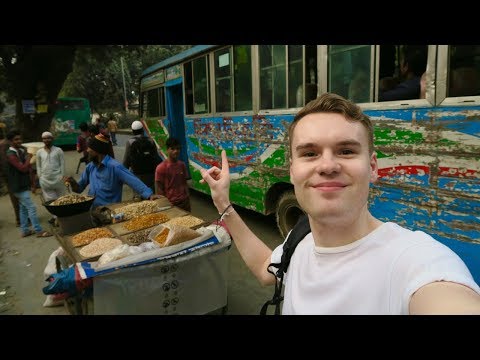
70,199
144,221
187,221
99,247
166,235
131,211
87,236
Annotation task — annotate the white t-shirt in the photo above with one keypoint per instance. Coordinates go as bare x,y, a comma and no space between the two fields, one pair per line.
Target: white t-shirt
377,274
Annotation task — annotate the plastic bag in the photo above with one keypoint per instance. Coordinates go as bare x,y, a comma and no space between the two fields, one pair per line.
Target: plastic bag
169,234
51,267
119,252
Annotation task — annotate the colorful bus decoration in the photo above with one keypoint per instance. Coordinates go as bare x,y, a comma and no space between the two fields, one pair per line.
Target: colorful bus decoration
242,98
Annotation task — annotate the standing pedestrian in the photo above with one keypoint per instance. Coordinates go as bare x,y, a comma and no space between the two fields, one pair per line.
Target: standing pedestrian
171,177
18,172
112,128
51,170
4,145
141,155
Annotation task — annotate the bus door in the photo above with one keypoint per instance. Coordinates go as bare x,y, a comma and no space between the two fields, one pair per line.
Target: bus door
176,122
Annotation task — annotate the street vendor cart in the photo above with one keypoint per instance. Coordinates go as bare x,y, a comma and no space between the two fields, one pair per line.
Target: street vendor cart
191,281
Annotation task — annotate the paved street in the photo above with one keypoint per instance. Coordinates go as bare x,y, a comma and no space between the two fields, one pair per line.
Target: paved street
22,260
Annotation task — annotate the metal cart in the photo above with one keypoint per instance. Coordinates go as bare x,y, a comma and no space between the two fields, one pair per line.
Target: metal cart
191,284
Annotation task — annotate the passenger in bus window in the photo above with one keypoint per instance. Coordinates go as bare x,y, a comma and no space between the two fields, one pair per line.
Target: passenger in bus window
350,262
413,61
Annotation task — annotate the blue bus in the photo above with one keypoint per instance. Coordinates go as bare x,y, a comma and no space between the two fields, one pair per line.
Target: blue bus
242,98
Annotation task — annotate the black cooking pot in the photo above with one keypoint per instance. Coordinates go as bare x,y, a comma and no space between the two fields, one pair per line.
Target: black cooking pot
69,209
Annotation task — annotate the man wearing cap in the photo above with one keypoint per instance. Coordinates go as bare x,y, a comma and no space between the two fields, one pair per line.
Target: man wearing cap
106,176
50,170
130,161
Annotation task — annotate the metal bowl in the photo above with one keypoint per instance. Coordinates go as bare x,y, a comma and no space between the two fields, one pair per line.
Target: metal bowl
69,209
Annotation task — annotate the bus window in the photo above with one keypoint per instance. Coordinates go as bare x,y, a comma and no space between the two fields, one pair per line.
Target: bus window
242,78
272,77
412,63
464,65
310,73
295,75
200,86
223,80
155,99
349,72
197,99
188,78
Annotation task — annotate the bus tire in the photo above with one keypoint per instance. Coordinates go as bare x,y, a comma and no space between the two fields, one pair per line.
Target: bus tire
288,212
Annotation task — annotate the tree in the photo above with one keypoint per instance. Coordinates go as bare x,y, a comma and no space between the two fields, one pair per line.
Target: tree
40,72
102,82
34,73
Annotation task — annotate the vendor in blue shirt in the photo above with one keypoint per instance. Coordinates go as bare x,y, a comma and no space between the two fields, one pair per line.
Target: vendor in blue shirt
106,176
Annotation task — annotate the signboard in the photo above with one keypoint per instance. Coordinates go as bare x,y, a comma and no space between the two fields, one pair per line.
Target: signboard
28,106
173,72
42,108
152,80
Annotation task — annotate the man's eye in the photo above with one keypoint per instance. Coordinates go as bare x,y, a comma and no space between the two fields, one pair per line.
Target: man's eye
308,154
347,152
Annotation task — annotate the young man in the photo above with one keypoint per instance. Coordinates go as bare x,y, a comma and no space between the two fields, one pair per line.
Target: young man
106,176
141,155
51,170
351,262
4,145
18,173
171,177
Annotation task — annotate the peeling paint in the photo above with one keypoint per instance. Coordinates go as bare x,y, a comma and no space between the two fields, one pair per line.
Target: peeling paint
429,166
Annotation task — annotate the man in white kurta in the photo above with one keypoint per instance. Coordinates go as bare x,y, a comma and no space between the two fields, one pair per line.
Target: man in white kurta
51,169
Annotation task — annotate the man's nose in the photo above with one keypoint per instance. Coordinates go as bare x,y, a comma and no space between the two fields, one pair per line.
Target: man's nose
327,164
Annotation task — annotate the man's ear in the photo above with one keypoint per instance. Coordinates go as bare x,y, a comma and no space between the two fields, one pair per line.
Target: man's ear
373,168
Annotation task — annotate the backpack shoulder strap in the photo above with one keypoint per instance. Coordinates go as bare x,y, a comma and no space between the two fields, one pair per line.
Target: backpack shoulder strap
298,233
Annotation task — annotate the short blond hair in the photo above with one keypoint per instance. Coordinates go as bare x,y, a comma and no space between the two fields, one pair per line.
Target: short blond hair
333,103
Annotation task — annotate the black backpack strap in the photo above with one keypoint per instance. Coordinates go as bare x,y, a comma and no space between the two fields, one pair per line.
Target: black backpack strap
298,233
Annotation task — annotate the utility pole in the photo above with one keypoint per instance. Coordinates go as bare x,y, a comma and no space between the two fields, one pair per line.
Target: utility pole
124,88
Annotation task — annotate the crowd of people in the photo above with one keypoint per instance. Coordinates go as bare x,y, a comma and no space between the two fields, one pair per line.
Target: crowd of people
103,175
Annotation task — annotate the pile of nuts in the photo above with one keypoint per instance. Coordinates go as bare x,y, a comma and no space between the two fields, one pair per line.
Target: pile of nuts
131,211
138,237
145,221
70,199
187,221
99,247
87,236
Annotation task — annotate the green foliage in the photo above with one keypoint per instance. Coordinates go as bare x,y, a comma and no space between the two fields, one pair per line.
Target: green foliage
101,79
45,72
